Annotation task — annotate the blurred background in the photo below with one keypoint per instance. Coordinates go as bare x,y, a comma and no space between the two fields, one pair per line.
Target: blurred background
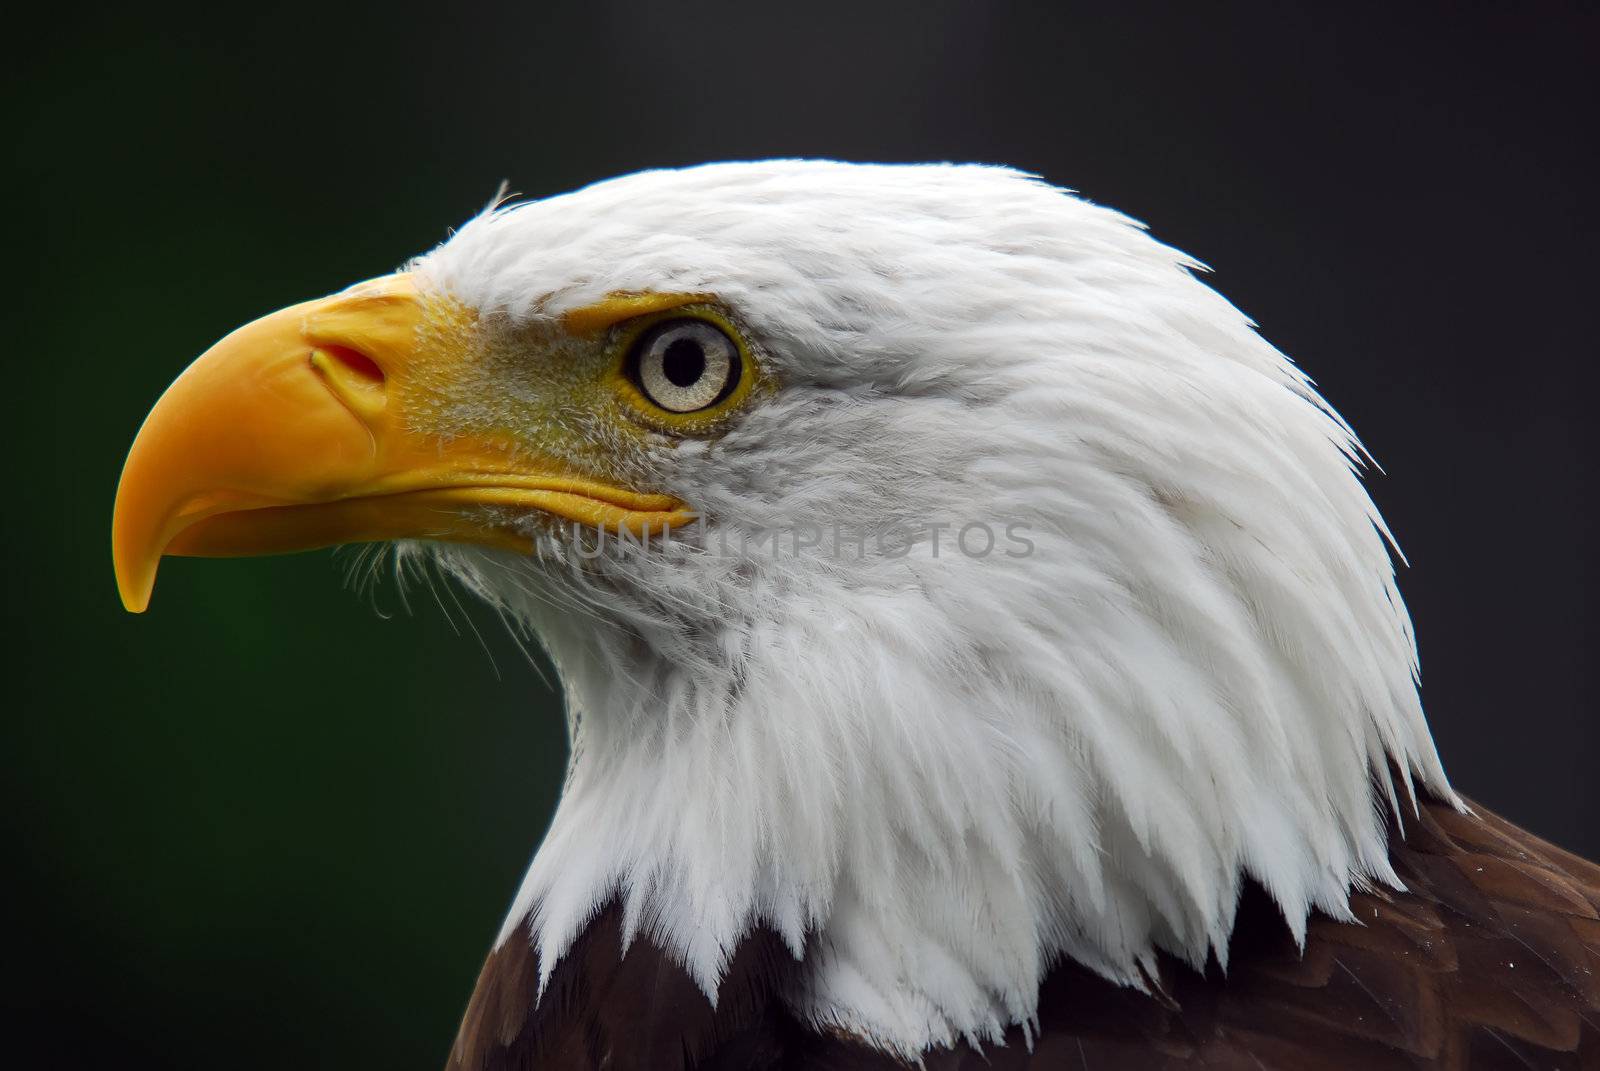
275,822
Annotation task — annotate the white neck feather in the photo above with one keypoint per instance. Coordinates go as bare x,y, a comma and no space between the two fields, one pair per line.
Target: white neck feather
935,788
936,776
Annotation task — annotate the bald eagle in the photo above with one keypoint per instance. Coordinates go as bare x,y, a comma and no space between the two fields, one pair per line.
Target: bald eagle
978,647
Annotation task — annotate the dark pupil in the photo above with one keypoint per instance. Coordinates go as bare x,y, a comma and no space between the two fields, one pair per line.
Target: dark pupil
684,362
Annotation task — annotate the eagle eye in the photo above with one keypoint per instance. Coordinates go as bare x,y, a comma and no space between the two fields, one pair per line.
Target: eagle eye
685,364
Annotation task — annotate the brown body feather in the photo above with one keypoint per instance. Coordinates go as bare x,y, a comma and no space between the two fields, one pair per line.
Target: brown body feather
1489,960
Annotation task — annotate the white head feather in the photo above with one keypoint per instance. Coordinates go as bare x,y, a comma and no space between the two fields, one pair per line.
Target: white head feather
936,775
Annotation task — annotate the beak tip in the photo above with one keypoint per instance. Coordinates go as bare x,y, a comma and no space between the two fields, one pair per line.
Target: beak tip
135,595
136,579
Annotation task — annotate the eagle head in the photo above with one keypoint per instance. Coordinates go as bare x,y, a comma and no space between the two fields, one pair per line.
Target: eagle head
937,571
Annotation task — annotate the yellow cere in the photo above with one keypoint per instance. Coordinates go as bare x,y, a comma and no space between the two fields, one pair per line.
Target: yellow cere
562,386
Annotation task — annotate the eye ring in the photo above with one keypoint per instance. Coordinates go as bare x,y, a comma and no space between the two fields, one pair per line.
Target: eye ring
685,364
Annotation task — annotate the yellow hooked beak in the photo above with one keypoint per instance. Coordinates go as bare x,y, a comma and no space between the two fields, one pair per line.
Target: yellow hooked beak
292,433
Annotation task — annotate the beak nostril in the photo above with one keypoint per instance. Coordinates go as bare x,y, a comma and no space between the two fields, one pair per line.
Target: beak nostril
354,378
356,362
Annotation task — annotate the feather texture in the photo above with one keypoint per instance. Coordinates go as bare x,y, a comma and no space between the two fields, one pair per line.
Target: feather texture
936,775
1489,959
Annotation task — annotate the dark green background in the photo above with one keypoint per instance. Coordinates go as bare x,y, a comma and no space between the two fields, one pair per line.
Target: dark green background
265,826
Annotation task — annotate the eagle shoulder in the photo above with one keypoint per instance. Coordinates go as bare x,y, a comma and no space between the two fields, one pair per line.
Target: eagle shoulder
1490,958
